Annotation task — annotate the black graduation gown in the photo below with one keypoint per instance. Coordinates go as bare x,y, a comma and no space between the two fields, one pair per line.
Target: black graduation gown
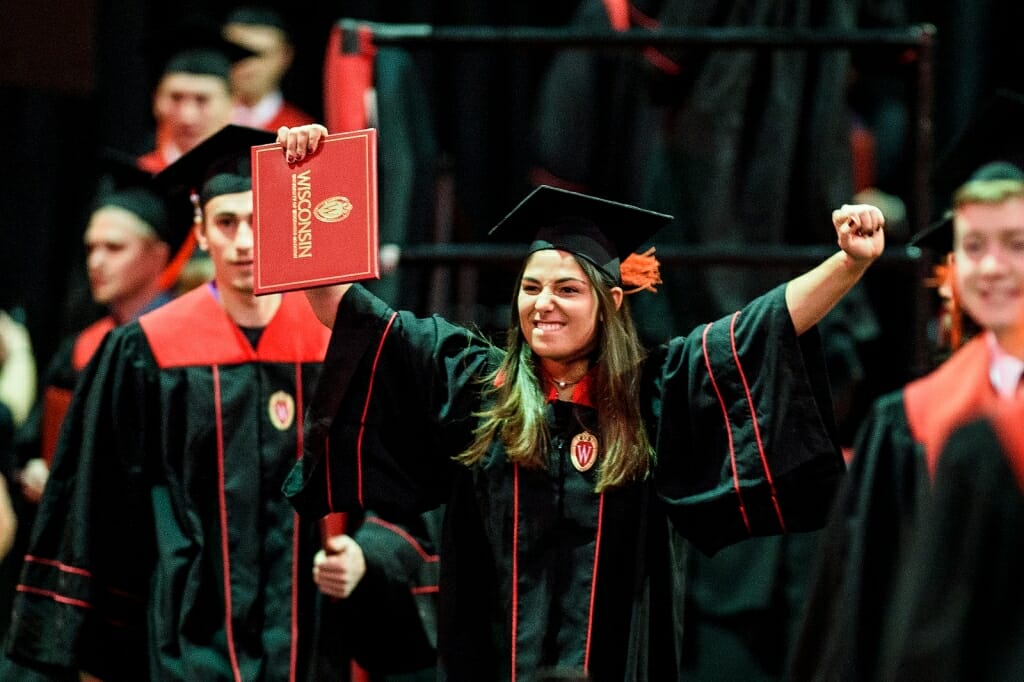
163,512
958,610
880,501
584,580
388,625
886,485
38,436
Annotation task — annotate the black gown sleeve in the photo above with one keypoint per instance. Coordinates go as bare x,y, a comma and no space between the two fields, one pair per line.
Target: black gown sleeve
853,578
956,613
745,437
394,404
390,620
81,599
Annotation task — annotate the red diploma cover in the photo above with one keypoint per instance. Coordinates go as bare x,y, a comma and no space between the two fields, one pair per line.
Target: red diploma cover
335,523
315,222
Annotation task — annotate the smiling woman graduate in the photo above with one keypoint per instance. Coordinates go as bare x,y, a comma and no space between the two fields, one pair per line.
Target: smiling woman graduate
565,456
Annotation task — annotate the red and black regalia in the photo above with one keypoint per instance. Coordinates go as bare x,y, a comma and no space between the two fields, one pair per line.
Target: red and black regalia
897,450
540,574
956,613
59,383
163,548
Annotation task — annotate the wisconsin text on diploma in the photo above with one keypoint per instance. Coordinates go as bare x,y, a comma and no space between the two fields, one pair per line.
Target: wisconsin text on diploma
302,215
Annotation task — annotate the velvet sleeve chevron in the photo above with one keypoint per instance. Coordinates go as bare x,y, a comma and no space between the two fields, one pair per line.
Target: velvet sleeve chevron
81,599
743,427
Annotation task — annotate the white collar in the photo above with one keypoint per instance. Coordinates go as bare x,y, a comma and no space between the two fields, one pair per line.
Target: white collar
1004,370
259,114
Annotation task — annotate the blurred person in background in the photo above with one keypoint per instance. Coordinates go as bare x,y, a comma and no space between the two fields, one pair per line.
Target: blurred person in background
256,81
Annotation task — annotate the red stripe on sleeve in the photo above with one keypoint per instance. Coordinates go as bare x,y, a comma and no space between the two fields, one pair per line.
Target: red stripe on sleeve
753,421
366,408
728,429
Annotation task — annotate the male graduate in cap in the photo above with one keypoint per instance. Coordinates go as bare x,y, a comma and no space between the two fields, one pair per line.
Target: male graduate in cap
900,442
256,80
192,98
129,240
563,456
135,248
164,548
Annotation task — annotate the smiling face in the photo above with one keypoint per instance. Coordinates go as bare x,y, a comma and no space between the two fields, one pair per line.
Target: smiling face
558,307
227,235
989,252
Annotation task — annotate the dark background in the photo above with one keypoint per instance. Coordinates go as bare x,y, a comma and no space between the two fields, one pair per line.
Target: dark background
75,78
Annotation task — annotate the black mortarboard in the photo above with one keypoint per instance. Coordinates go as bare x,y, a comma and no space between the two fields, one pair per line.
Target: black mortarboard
602,231
991,147
197,47
257,15
125,185
220,164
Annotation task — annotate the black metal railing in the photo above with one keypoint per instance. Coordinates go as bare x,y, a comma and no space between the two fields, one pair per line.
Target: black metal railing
464,260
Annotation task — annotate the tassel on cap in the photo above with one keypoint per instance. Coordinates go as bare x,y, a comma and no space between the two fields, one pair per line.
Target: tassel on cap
641,271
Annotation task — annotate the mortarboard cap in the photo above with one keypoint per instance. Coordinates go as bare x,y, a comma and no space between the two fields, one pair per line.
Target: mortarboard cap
220,164
257,15
197,47
124,185
603,231
990,148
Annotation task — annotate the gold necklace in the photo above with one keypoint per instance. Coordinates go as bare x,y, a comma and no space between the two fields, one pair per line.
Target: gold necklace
568,383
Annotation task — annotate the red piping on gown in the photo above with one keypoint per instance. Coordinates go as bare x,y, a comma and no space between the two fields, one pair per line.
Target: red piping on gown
729,427
222,500
366,409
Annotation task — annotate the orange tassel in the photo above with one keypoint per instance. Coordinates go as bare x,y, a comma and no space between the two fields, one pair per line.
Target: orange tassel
956,315
640,271
173,269
951,322
956,325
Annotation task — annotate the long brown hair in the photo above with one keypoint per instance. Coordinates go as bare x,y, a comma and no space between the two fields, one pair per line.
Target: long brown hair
517,398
